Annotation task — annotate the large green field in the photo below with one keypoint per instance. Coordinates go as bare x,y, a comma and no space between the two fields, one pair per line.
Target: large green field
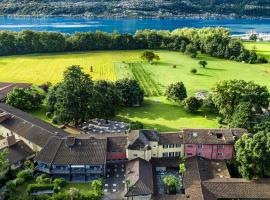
156,112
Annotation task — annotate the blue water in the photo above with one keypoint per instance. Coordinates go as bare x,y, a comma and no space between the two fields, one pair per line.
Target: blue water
71,25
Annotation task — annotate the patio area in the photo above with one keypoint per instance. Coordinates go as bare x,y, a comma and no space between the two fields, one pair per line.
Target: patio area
114,182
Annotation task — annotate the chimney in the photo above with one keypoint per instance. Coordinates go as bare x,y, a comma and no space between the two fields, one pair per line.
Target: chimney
11,140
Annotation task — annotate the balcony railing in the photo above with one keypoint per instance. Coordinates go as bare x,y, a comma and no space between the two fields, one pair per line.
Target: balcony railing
42,169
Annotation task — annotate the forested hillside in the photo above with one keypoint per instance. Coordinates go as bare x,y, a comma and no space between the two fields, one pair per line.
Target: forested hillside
138,8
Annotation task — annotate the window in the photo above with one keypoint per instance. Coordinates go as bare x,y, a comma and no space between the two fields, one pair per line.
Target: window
165,146
199,154
164,155
178,145
220,153
171,154
154,155
171,145
200,146
220,146
189,154
135,155
178,154
190,146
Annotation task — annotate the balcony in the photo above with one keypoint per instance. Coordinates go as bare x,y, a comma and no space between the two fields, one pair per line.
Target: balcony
94,171
60,171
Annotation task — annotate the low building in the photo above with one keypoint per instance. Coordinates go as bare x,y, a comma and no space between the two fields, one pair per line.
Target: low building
147,144
76,159
139,177
18,151
5,88
210,180
32,131
211,143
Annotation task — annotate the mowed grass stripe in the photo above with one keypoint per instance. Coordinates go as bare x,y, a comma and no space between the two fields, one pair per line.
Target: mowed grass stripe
149,85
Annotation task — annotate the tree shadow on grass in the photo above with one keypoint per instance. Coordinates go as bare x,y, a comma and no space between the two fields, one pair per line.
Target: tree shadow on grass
215,69
164,115
200,74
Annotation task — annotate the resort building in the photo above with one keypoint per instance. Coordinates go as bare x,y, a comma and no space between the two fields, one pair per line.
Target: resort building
75,159
140,177
32,131
211,143
147,144
18,151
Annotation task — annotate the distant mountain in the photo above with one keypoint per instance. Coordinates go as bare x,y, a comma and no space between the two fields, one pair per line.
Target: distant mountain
138,8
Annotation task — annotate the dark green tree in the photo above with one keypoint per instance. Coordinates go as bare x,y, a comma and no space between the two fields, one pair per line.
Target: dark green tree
25,98
191,50
176,91
243,117
203,63
171,183
253,155
192,104
106,99
263,124
228,94
150,56
74,97
131,92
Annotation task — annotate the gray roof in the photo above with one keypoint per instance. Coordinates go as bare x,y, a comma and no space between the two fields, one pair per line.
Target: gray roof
139,173
18,152
202,183
29,127
73,151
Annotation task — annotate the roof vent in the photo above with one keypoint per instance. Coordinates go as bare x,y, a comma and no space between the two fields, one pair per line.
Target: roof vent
219,135
195,134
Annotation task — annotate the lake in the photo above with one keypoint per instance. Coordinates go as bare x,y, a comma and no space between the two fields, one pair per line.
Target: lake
71,25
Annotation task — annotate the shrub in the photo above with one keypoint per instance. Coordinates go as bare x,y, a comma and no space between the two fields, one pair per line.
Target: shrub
38,187
193,70
29,165
136,125
55,120
18,181
59,182
174,66
191,104
41,178
262,60
220,120
176,92
10,185
49,114
25,174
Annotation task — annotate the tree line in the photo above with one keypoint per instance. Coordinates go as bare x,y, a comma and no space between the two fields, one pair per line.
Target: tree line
216,42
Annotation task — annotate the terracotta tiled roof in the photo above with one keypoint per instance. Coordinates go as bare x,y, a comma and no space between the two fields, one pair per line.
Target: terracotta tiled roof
63,151
212,136
139,173
29,127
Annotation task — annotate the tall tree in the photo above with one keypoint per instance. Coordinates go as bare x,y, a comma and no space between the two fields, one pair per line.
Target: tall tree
4,163
228,94
74,97
131,92
253,155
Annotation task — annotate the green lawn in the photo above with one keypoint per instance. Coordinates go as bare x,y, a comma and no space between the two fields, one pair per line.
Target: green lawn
112,65
157,112
262,48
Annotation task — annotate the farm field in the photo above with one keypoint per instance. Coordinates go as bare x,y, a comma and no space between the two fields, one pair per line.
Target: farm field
40,68
156,112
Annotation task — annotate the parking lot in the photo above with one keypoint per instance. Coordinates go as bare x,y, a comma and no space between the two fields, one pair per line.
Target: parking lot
114,183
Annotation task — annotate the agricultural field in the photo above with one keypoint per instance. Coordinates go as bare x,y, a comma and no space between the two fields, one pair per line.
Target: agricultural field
40,68
156,112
